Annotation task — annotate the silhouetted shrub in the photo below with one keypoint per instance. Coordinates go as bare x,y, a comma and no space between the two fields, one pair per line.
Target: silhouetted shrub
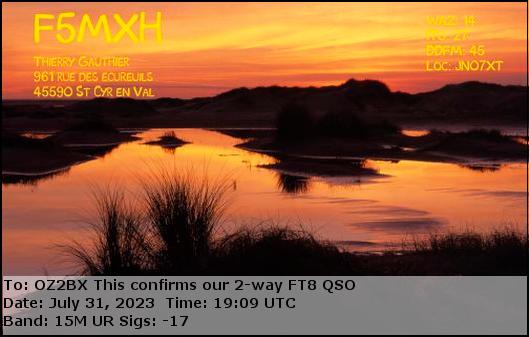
346,124
484,134
121,241
342,124
169,135
383,128
294,121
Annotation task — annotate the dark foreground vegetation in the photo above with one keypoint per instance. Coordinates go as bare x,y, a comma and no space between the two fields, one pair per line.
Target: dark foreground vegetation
175,229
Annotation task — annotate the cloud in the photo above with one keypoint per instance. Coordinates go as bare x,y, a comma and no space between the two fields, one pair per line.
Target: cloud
209,48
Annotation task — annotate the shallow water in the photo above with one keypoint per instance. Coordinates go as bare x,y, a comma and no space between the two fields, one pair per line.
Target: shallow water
360,213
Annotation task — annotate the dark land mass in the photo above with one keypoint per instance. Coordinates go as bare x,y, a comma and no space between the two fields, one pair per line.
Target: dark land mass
168,140
23,155
296,166
356,120
26,159
246,133
466,103
91,133
463,147
31,179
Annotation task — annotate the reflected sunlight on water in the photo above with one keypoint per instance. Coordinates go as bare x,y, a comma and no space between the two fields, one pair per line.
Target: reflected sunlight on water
413,197
415,133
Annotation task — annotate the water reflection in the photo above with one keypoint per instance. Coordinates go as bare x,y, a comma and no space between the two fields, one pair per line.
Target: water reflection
482,167
31,180
97,151
322,167
37,135
415,133
169,149
396,199
292,184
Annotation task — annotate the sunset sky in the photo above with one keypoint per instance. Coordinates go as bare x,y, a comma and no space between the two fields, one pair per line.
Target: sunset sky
209,48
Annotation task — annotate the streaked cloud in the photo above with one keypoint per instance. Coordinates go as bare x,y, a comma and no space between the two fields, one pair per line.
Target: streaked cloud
210,47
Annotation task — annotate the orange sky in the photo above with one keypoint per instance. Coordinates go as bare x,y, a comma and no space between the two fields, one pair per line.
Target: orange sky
209,48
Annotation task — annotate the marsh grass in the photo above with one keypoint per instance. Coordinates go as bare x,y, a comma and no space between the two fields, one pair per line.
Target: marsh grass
278,250
184,212
499,252
175,228
169,135
502,243
121,242
169,229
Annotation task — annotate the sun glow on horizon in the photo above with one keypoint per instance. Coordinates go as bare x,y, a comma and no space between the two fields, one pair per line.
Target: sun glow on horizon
209,48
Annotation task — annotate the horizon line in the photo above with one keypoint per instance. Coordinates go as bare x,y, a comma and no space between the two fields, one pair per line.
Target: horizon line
264,86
